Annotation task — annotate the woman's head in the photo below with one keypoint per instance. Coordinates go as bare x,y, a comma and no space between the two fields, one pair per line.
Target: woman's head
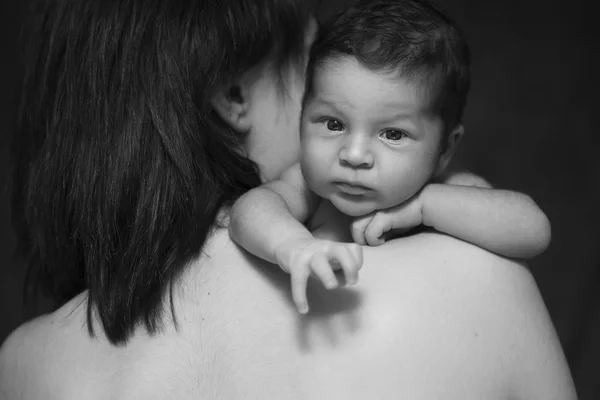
267,110
123,151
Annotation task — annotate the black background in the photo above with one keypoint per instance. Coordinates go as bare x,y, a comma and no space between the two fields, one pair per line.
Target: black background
529,124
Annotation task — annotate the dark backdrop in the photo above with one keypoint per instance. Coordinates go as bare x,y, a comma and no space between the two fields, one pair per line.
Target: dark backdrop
529,128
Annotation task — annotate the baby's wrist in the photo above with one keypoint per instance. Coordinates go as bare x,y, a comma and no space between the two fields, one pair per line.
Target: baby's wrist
428,193
281,254
283,251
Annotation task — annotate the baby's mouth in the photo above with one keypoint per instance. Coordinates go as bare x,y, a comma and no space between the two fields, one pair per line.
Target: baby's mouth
352,189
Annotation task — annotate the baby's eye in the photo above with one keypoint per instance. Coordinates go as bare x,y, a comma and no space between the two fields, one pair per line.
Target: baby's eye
392,135
334,125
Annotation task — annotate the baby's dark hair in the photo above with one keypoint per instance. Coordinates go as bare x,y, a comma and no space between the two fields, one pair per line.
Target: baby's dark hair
119,163
410,37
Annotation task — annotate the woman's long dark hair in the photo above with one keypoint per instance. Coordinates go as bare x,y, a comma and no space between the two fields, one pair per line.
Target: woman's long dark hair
120,165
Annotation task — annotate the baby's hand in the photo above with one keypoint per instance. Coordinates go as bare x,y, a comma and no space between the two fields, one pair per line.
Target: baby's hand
370,229
303,257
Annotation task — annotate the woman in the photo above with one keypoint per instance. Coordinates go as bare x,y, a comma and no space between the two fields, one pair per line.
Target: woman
140,123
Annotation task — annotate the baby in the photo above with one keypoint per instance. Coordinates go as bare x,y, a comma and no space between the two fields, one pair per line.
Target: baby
386,87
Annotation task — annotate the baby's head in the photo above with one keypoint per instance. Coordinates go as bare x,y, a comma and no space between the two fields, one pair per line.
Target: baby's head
386,88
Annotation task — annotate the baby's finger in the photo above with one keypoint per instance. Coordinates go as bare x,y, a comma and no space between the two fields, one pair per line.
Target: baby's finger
357,253
349,263
322,269
299,279
378,226
358,230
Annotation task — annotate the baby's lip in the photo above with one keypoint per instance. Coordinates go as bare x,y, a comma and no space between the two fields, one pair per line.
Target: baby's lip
352,188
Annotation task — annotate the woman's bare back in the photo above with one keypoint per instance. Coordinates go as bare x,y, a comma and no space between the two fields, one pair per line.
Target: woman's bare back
443,320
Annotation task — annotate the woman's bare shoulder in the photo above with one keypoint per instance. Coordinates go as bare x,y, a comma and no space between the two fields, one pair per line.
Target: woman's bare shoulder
463,296
445,260
34,358
21,356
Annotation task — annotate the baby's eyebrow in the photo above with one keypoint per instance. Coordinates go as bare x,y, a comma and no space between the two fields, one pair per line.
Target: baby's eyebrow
399,117
330,102
325,107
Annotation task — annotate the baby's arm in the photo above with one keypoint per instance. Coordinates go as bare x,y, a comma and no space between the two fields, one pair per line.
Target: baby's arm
268,222
505,222
273,213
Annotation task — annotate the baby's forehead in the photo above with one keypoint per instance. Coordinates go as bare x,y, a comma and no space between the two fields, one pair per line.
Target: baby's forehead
339,81
422,79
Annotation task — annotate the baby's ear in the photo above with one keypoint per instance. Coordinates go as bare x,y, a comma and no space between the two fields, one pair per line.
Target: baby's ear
450,147
231,103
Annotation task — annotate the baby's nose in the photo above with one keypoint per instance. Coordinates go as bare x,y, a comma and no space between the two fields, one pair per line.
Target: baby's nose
356,153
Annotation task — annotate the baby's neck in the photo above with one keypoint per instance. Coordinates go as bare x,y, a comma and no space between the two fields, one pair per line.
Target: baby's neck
330,223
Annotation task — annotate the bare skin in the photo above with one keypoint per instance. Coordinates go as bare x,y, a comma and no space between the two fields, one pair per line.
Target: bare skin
456,322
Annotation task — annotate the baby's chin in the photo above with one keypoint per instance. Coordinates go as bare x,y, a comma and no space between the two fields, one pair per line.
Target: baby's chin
353,208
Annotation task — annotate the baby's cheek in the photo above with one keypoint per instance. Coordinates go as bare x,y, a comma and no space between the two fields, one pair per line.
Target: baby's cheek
310,156
405,189
314,173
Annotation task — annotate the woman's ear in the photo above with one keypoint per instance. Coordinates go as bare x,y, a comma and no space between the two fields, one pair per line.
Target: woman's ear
449,148
231,103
